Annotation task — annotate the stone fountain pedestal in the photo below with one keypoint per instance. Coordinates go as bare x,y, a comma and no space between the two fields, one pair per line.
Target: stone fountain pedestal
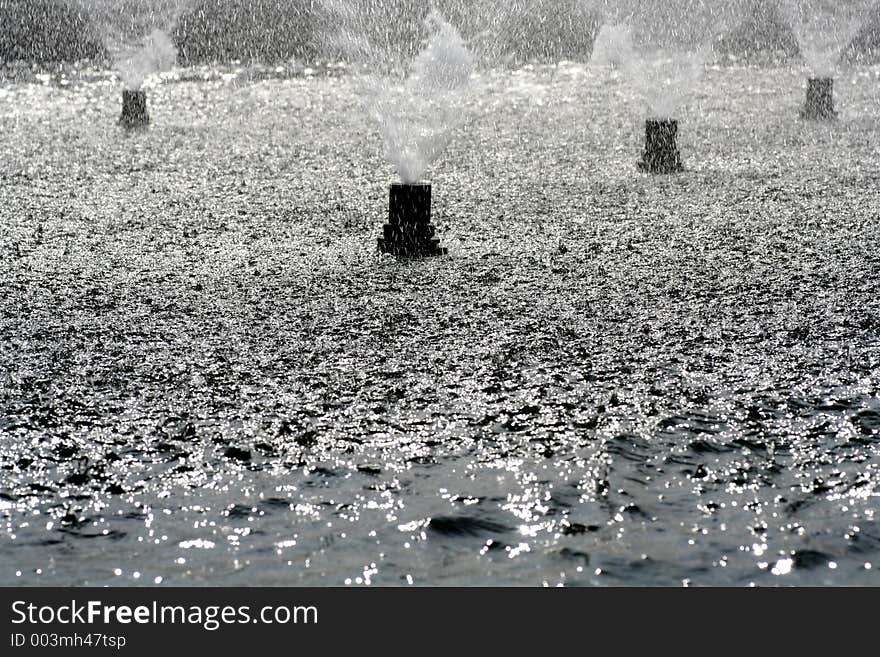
661,154
820,100
409,232
134,109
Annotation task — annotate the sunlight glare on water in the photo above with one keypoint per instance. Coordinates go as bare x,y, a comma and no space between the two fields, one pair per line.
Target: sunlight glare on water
207,375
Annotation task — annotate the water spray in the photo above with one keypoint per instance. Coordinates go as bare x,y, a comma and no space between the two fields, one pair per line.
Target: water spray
661,154
665,82
820,100
409,232
416,117
157,54
822,35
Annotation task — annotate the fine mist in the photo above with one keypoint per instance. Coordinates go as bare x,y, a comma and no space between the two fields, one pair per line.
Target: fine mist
157,54
614,47
822,41
668,81
665,80
417,115
825,29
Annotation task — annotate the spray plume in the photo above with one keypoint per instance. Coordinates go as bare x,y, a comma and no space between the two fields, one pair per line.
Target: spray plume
157,54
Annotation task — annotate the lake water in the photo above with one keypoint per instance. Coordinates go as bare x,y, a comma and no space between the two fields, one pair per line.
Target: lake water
208,377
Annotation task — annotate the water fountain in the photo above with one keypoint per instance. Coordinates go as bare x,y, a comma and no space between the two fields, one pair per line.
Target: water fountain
416,117
158,53
822,36
409,232
864,47
665,82
764,36
820,100
661,154
613,47
134,108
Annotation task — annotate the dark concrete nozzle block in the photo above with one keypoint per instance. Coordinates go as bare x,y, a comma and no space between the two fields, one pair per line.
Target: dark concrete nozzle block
820,100
409,232
661,154
134,109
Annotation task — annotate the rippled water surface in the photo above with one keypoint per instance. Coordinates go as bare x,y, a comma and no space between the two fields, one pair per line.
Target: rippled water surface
207,375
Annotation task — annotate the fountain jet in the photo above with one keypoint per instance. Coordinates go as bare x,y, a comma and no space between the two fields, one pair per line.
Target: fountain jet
157,54
134,109
661,154
820,100
417,116
409,232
